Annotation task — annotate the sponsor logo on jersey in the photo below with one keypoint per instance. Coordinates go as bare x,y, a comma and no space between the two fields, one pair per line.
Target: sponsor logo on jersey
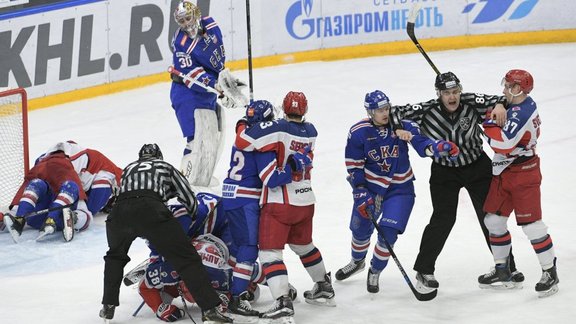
303,190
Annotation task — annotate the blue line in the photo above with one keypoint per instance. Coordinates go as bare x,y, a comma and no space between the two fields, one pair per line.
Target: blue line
45,8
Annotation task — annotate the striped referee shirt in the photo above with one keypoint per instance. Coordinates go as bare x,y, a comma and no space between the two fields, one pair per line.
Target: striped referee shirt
460,127
162,178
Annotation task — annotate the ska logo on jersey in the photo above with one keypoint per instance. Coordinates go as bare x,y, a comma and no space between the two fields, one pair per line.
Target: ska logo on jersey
465,123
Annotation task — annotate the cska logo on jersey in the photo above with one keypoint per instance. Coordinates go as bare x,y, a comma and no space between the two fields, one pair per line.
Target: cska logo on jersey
465,123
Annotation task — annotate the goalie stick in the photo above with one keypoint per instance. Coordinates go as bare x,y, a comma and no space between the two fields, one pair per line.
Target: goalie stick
410,30
229,85
420,296
172,70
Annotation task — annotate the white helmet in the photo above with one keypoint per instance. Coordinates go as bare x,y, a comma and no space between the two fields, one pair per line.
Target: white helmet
187,15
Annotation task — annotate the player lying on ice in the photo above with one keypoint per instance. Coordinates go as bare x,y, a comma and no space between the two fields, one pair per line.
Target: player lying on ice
160,284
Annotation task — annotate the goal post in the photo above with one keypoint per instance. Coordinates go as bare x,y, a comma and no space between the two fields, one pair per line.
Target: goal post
14,142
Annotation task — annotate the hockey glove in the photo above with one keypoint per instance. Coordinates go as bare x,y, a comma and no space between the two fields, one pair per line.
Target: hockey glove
242,124
300,160
443,148
363,202
169,313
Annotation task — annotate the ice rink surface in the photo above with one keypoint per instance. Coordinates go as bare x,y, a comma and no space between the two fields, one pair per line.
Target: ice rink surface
53,282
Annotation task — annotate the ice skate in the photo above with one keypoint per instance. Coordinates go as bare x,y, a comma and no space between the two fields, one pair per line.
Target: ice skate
499,277
322,293
281,312
48,228
352,268
518,279
372,284
548,284
107,313
426,283
241,310
15,225
70,218
215,316
292,292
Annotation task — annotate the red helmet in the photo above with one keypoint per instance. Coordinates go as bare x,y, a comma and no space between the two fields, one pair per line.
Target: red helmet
295,103
521,78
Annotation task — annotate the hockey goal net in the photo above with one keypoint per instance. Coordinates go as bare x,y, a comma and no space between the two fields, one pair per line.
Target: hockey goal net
13,142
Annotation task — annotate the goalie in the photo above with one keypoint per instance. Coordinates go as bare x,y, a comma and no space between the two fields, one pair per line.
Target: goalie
199,78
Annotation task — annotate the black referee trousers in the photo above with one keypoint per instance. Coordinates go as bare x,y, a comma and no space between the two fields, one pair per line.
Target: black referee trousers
143,214
445,185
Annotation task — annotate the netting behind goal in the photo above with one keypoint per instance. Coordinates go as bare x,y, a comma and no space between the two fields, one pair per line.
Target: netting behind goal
13,143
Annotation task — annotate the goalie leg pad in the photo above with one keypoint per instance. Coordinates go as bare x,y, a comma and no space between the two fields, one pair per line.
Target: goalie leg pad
198,165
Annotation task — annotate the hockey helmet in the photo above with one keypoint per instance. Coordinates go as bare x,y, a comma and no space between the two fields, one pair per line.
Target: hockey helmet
187,15
150,152
521,78
295,103
447,81
259,111
375,100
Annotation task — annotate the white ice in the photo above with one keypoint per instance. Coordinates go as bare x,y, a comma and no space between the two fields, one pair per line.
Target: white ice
57,282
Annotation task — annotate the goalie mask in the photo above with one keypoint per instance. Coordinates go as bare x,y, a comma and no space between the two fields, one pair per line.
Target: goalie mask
187,15
150,152
295,103
259,111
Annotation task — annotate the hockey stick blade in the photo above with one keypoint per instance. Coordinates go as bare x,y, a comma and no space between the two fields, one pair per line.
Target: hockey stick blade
420,296
133,276
410,30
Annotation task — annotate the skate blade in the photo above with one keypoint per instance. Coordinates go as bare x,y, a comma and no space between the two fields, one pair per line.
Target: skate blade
501,286
244,319
68,230
10,226
329,302
543,294
423,289
42,236
281,320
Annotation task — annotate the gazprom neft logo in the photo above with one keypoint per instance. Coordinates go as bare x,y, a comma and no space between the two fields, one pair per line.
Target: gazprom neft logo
495,9
301,24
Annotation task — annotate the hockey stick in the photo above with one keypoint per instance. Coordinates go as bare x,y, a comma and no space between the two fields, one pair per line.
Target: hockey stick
420,296
138,309
47,210
172,70
136,274
230,93
410,30
249,36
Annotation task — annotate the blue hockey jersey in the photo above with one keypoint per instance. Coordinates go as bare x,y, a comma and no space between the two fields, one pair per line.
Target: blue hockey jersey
201,58
376,158
285,138
248,172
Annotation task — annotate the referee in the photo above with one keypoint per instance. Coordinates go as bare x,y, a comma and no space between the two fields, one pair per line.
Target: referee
454,116
140,211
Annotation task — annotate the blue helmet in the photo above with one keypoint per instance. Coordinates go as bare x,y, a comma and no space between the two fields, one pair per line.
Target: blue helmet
259,111
375,100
